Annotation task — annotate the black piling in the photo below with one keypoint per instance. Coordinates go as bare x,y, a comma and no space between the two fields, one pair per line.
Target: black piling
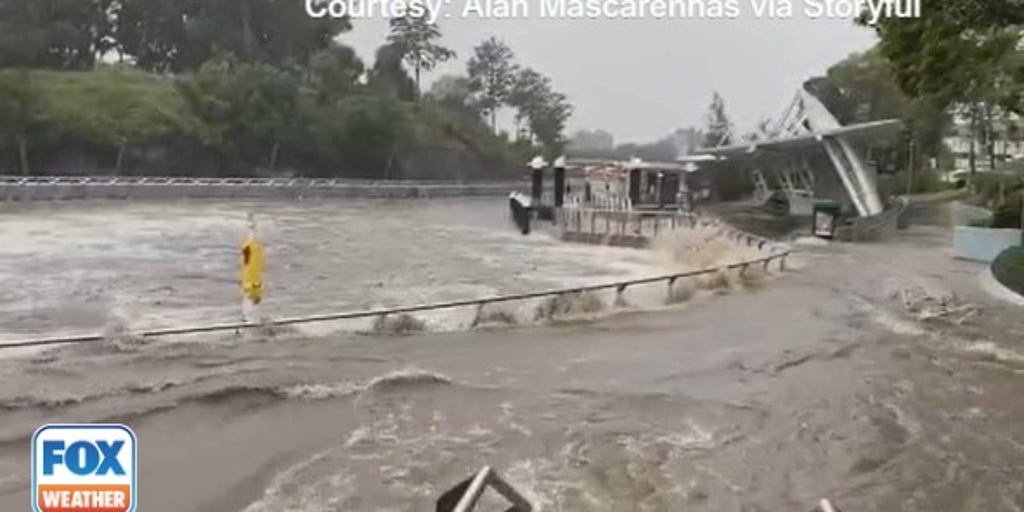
559,186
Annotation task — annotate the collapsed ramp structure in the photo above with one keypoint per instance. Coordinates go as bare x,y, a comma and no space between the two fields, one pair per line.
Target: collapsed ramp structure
465,496
807,155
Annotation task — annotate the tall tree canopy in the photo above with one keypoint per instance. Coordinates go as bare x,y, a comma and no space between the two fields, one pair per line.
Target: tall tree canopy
719,128
57,34
544,110
182,34
548,122
334,72
417,39
527,94
250,107
455,92
492,73
388,77
957,51
19,114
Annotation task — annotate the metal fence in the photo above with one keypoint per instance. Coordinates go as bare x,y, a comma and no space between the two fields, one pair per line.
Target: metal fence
240,182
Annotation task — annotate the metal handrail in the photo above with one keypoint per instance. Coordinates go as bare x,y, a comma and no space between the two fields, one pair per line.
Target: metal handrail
250,181
625,218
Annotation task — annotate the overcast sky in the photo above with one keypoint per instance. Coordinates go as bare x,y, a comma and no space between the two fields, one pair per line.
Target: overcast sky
642,79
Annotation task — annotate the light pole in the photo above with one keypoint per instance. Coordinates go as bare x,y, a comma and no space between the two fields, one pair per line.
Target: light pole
910,166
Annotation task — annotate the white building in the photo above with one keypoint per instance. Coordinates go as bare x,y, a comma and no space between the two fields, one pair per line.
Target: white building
1004,148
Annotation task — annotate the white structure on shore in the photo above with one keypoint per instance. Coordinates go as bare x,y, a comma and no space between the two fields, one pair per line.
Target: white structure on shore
803,131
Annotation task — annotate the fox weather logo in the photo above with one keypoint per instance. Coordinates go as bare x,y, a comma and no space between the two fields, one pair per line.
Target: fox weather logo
84,468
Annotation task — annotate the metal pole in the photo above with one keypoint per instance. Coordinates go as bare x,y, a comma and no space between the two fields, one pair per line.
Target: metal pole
910,166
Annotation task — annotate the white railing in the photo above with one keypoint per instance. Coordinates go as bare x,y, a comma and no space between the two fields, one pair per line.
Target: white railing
605,201
28,181
622,222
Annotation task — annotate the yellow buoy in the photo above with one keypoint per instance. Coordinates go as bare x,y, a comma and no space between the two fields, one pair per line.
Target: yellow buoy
252,269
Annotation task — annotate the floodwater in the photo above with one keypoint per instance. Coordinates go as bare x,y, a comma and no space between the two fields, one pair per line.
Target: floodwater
765,396
79,268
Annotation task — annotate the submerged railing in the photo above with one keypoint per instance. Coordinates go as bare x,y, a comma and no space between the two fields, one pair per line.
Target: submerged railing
651,224
622,222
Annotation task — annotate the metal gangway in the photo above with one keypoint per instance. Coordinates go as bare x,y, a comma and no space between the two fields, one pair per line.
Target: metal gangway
466,494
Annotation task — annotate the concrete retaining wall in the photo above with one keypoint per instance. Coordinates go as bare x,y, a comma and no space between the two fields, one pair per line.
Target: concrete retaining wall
982,244
164,191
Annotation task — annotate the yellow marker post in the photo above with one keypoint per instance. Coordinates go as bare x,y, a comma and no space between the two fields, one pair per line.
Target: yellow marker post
252,268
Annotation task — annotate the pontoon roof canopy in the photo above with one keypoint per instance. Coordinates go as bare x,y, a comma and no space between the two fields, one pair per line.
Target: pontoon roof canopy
873,133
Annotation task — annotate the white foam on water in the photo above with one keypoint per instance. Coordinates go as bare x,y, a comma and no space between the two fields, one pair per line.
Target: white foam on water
889,320
811,241
324,495
410,376
991,349
322,391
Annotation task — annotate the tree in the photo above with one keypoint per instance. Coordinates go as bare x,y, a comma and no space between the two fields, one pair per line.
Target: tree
527,95
182,35
250,108
960,54
334,72
952,51
416,38
387,77
719,128
455,92
547,122
59,34
491,73
19,113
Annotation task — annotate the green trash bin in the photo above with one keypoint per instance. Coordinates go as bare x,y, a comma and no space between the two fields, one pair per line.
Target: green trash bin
825,218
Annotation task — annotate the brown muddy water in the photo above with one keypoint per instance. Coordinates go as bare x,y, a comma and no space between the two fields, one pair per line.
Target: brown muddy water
767,396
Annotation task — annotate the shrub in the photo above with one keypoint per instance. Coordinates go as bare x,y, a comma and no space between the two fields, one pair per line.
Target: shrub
1007,214
400,324
1008,269
568,305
